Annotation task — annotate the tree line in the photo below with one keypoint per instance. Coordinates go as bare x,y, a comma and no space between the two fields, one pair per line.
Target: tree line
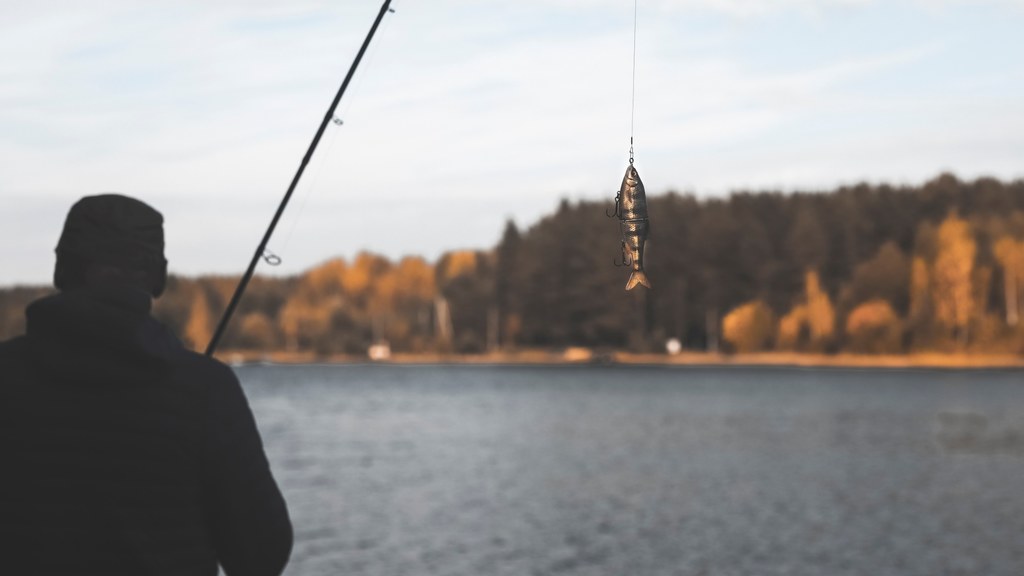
865,268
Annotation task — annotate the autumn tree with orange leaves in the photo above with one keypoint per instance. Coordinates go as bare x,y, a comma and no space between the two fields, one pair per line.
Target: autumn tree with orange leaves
952,273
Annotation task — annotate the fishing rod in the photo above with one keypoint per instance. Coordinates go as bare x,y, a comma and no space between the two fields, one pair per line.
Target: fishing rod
261,250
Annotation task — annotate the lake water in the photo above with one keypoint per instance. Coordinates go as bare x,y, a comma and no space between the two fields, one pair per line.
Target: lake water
636,471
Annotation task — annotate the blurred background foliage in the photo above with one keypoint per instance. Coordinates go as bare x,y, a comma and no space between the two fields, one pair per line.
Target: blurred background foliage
866,269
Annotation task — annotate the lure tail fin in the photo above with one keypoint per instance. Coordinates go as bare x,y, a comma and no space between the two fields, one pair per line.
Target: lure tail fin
637,277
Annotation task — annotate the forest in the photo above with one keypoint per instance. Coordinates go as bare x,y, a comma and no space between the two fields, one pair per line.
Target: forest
871,269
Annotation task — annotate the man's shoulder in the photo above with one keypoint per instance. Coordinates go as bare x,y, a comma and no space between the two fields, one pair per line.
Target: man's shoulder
204,367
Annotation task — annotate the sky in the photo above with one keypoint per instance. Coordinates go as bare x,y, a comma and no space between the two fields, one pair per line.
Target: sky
465,114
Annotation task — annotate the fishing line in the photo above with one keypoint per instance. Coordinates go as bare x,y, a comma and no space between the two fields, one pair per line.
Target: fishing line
261,250
633,99
359,82
338,124
310,189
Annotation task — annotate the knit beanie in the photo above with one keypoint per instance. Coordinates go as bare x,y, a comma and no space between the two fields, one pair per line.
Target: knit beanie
112,230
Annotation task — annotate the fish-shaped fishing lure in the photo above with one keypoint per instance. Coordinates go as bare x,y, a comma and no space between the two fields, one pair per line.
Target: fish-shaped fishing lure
631,208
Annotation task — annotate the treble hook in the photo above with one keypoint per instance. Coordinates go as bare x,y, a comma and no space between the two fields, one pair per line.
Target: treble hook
618,203
622,259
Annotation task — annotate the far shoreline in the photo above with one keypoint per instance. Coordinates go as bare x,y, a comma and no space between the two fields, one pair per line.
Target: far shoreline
584,357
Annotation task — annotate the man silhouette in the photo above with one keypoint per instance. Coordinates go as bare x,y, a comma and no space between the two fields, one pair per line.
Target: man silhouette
121,452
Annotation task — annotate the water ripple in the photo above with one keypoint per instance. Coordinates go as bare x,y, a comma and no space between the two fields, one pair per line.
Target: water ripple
393,470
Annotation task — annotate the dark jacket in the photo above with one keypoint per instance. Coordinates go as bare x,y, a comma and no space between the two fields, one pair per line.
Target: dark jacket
121,452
